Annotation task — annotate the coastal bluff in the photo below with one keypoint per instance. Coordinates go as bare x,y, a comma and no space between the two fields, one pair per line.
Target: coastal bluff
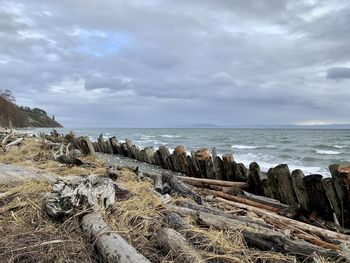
23,117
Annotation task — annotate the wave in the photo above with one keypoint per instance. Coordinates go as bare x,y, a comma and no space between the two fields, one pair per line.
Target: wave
240,146
326,152
340,146
169,136
146,137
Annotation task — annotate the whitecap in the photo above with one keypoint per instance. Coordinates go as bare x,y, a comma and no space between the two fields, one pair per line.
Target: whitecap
169,136
146,137
339,146
327,152
239,146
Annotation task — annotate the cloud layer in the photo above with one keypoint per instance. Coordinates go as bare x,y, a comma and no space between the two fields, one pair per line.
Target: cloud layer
171,63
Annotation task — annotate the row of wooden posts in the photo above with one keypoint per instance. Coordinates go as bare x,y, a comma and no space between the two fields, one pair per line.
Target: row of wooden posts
328,198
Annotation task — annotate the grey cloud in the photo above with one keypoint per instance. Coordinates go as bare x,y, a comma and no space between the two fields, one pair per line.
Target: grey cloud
166,62
338,73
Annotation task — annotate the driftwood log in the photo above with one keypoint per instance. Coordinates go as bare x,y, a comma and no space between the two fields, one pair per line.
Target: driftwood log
110,245
294,225
172,241
92,194
178,186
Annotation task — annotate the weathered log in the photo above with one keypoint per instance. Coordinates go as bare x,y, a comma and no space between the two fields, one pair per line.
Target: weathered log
238,199
166,189
157,181
227,160
318,200
205,163
172,241
341,175
178,186
196,239
201,182
300,189
14,143
255,178
188,208
299,248
148,155
164,157
267,239
280,184
133,150
71,160
79,193
292,224
195,165
112,172
101,144
85,145
218,165
109,244
240,172
333,198
264,200
109,148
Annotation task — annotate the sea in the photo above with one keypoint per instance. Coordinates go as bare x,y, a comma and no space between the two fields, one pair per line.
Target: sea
311,150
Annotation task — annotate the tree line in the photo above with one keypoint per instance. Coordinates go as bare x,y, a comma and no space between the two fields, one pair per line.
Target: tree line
7,95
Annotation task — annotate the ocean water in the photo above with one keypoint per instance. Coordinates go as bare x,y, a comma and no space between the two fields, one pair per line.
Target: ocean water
311,150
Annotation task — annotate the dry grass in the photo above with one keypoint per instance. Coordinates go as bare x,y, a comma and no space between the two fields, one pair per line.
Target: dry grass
28,235
138,218
33,153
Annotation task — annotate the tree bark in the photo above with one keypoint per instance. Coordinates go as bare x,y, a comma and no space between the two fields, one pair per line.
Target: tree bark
172,241
111,246
178,186
300,189
293,224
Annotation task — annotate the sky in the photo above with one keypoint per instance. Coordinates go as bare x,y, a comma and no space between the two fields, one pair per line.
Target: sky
137,63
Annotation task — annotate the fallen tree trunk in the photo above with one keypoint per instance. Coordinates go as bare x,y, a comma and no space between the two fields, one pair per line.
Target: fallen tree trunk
287,222
111,246
264,200
201,182
92,193
172,241
266,239
14,143
178,186
196,239
239,199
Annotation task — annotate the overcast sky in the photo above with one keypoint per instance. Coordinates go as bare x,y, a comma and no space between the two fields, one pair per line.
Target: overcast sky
152,63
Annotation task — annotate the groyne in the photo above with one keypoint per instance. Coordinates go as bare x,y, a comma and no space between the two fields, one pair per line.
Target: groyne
308,196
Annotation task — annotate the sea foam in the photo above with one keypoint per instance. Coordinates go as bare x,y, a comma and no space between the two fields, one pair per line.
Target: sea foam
327,152
240,146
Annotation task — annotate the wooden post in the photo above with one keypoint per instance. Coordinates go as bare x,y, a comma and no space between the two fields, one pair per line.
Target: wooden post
318,200
255,178
341,176
280,183
300,189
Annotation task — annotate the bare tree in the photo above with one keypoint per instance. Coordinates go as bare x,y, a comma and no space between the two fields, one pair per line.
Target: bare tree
7,95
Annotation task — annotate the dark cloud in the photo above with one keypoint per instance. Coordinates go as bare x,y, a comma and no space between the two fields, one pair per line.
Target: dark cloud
338,73
161,63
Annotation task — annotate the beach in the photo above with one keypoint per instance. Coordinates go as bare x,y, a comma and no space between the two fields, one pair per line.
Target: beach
140,214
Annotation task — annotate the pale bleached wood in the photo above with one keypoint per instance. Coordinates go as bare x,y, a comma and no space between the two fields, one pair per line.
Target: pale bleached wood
110,245
172,241
201,182
292,224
